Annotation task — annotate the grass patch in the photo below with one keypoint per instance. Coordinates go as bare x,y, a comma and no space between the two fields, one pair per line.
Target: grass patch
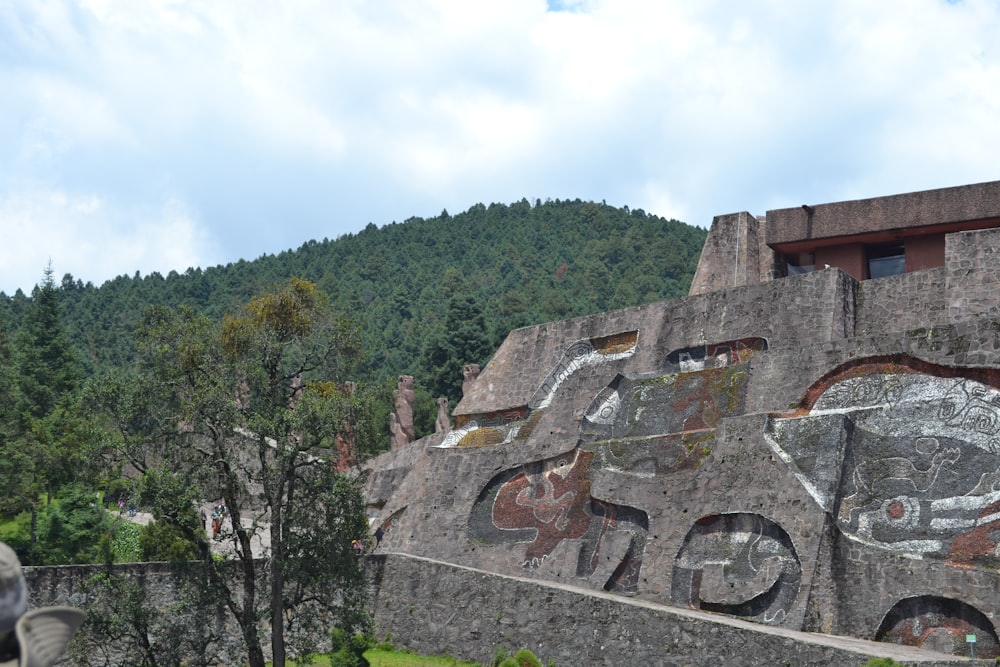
383,658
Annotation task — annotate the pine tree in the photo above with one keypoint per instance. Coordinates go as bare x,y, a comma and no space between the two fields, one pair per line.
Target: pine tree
462,340
48,366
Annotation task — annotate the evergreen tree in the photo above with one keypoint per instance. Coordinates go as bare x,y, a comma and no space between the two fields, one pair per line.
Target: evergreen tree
463,339
49,444
261,398
48,364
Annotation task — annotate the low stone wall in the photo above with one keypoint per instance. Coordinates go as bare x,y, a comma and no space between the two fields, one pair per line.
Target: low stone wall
435,607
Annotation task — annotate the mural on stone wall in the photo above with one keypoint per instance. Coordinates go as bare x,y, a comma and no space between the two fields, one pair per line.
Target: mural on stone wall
939,624
739,564
904,454
541,504
665,422
505,426
648,425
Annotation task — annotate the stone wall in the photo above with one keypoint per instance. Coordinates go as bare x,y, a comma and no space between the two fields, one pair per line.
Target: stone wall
973,263
434,607
163,584
899,303
810,453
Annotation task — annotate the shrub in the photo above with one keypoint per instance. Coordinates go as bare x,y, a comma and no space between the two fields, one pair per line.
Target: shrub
348,651
162,541
523,658
70,531
118,489
17,534
882,662
526,658
125,541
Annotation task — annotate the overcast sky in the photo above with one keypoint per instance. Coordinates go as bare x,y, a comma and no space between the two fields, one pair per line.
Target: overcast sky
155,135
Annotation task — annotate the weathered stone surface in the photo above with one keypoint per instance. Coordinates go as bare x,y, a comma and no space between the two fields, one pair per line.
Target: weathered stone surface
443,422
401,419
434,607
812,453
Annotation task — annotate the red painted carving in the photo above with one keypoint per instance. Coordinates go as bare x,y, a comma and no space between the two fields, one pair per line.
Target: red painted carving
550,497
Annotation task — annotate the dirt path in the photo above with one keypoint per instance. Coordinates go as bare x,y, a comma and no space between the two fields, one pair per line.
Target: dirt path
224,544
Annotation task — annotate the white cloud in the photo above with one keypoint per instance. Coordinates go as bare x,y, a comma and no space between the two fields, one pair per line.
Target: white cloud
282,122
94,240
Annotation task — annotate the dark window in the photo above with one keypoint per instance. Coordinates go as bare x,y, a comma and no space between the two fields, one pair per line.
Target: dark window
885,260
800,263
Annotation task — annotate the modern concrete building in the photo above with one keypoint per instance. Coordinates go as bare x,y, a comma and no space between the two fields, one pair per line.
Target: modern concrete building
810,440
865,238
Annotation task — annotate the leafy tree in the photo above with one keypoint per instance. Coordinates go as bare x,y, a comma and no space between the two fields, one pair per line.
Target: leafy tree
49,366
124,626
9,390
463,339
44,439
163,541
258,401
73,530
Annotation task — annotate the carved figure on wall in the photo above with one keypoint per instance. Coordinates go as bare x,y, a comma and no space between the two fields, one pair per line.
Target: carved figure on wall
401,419
739,564
939,624
469,375
507,425
443,422
542,504
904,453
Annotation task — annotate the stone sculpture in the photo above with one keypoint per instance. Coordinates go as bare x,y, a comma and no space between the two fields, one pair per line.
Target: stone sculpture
469,375
401,419
443,423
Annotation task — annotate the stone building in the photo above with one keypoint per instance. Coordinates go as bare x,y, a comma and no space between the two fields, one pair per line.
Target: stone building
809,440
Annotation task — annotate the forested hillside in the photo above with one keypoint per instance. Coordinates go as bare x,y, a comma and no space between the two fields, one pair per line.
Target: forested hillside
428,292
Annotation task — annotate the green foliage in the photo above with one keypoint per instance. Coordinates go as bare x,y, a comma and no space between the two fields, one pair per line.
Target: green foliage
48,363
882,662
525,658
46,438
348,650
461,339
262,401
521,263
379,657
72,530
16,533
126,542
172,500
162,541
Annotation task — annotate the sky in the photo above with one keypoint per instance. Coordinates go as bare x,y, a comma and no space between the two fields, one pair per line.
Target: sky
141,136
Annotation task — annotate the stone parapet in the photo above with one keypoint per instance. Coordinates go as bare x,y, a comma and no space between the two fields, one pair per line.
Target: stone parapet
972,281
434,607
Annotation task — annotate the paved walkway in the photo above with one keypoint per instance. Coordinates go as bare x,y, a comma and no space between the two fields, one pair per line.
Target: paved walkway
225,545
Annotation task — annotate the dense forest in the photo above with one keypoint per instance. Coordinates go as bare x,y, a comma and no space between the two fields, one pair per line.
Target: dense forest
429,294
238,386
